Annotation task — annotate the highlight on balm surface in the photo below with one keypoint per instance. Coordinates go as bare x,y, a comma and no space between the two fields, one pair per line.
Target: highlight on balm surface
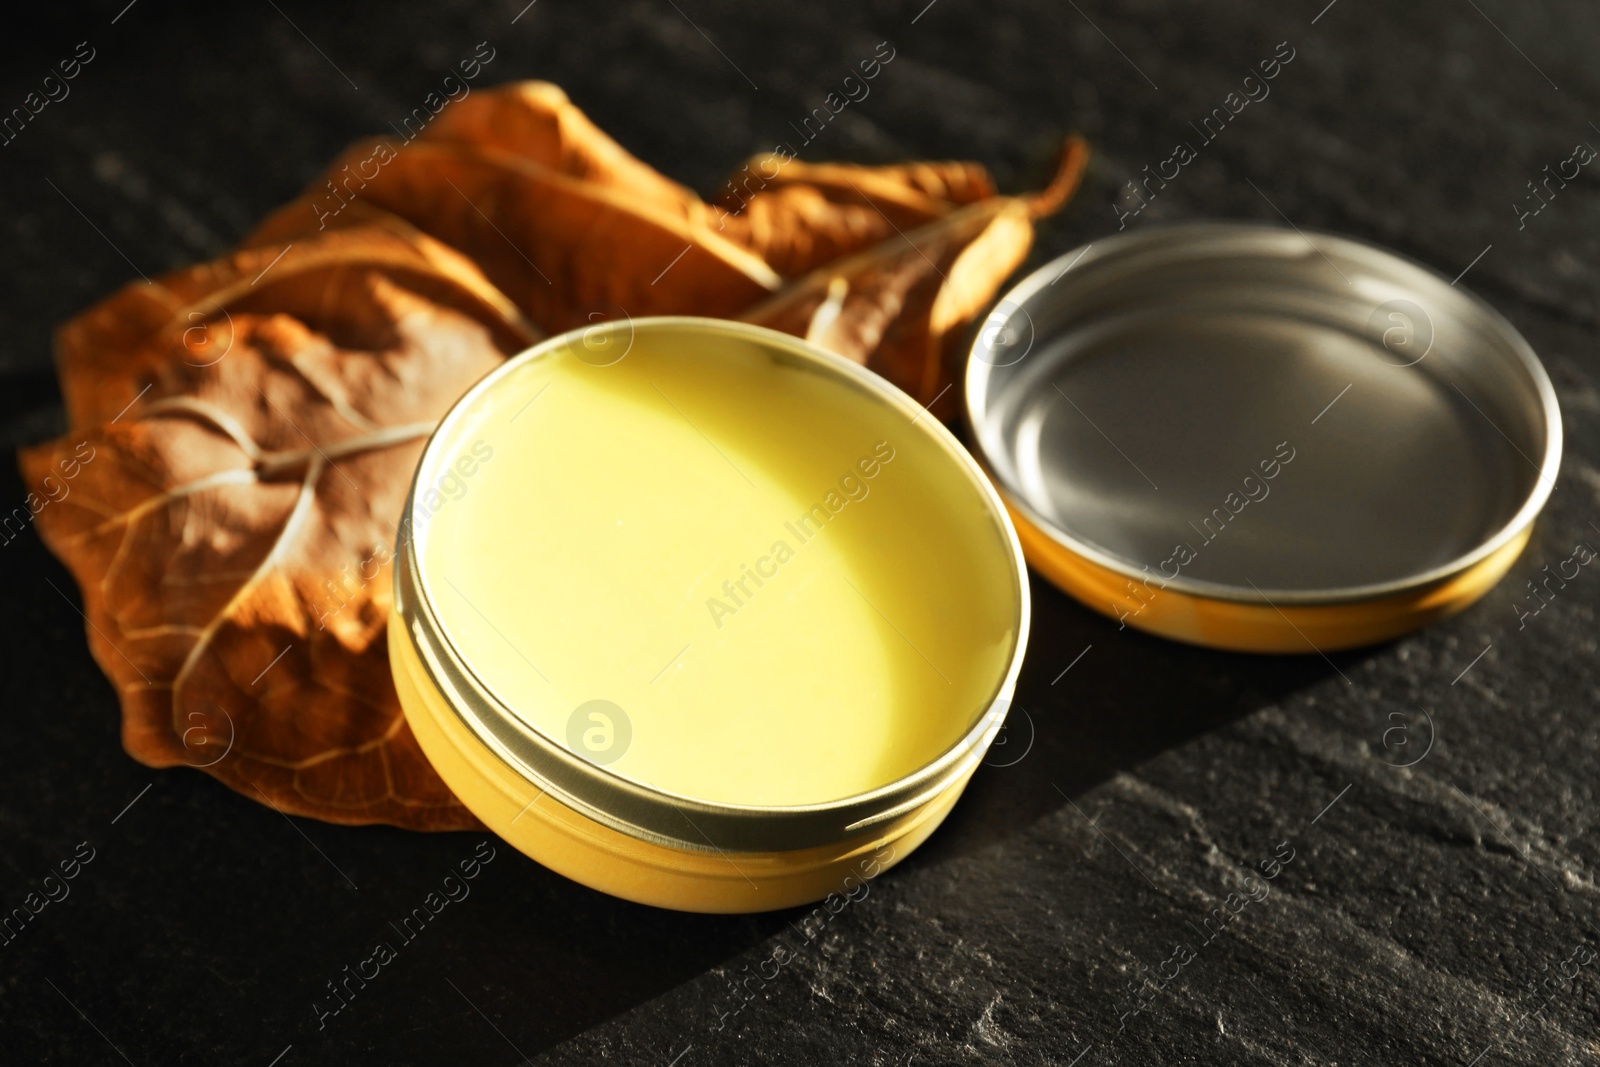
714,569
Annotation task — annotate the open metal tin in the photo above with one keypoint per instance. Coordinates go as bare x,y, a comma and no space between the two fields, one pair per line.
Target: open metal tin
1259,439
603,651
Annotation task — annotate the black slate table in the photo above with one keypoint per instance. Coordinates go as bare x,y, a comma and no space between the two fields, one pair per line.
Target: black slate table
1441,913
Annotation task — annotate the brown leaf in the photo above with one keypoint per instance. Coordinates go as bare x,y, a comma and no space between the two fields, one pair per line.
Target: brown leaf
561,248
798,216
924,188
793,215
536,121
904,306
232,530
163,335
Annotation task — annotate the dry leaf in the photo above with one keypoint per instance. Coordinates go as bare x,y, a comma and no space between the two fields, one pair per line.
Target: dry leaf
252,424
564,250
798,229
162,336
903,306
798,216
794,215
232,530
536,121
949,183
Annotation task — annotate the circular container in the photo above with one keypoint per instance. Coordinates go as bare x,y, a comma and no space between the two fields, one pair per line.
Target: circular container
1257,439
603,650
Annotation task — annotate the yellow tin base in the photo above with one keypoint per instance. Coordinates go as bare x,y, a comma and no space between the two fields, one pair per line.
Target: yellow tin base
1242,626
572,844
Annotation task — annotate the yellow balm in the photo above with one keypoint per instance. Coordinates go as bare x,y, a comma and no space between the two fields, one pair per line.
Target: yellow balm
712,590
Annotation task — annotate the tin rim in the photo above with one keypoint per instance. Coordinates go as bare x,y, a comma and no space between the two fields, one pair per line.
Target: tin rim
975,410
658,815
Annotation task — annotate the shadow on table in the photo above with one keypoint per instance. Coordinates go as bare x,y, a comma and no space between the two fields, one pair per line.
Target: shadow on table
1127,699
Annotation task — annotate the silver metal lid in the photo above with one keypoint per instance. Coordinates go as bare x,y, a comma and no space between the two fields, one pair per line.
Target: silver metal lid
1312,419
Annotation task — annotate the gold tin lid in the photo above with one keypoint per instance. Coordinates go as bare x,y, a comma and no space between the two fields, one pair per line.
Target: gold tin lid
966,528
1259,439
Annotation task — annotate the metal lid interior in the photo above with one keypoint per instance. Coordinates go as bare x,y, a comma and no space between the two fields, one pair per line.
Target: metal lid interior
1273,329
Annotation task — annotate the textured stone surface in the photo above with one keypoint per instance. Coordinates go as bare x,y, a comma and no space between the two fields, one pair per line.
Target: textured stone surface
1421,911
